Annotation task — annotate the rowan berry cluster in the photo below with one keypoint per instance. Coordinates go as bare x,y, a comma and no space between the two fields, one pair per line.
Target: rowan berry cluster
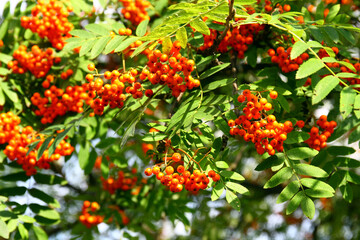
123,181
281,9
57,102
170,69
135,10
18,141
318,140
36,61
192,179
237,39
282,57
49,19
111,94
256,126
88,215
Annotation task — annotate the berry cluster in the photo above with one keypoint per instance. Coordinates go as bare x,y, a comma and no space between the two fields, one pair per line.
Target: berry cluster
56,102
264,131
111,93
88,216
49,20
135,10
121,182
318,140
170,69
237,39
38,62
282,57
281,9
19,140
175,181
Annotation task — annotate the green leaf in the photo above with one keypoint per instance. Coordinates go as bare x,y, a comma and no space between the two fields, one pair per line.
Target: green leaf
8,92
82,34
347,35
232,175
214,70
316,184
84,154
340,150
4,232
346,162
233,200
51,201
334,10
318,193
126,44
99,46
48,213
97,29
352,177
308,207
270,162
26,219
13,177
86,47
154,136
221,164
12,225
324,87
295,202
298,48
49,179
347,100
181,36
288,192
357,106
301,153
141,28
354,135
58,139
309,67
219,83
280,177
39,233
12,191
113,44
24,233
296,137
347,192
237,187
200,26
43,147
217,191
310,170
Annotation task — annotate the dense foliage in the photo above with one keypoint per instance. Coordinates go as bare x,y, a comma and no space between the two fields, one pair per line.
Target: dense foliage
152,119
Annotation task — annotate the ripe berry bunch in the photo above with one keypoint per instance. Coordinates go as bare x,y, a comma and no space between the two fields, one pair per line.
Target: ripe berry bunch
49,19
237,39
318,140
192,180
281,9
9,126
282,57
123,181
56,102
256,126
88,215
18,141
170,69
38,62
135,10
112,93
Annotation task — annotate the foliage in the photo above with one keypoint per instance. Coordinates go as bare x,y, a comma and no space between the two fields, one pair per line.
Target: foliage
220,100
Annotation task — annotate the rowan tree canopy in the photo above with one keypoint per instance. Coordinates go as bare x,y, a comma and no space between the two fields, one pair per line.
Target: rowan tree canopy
157,119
